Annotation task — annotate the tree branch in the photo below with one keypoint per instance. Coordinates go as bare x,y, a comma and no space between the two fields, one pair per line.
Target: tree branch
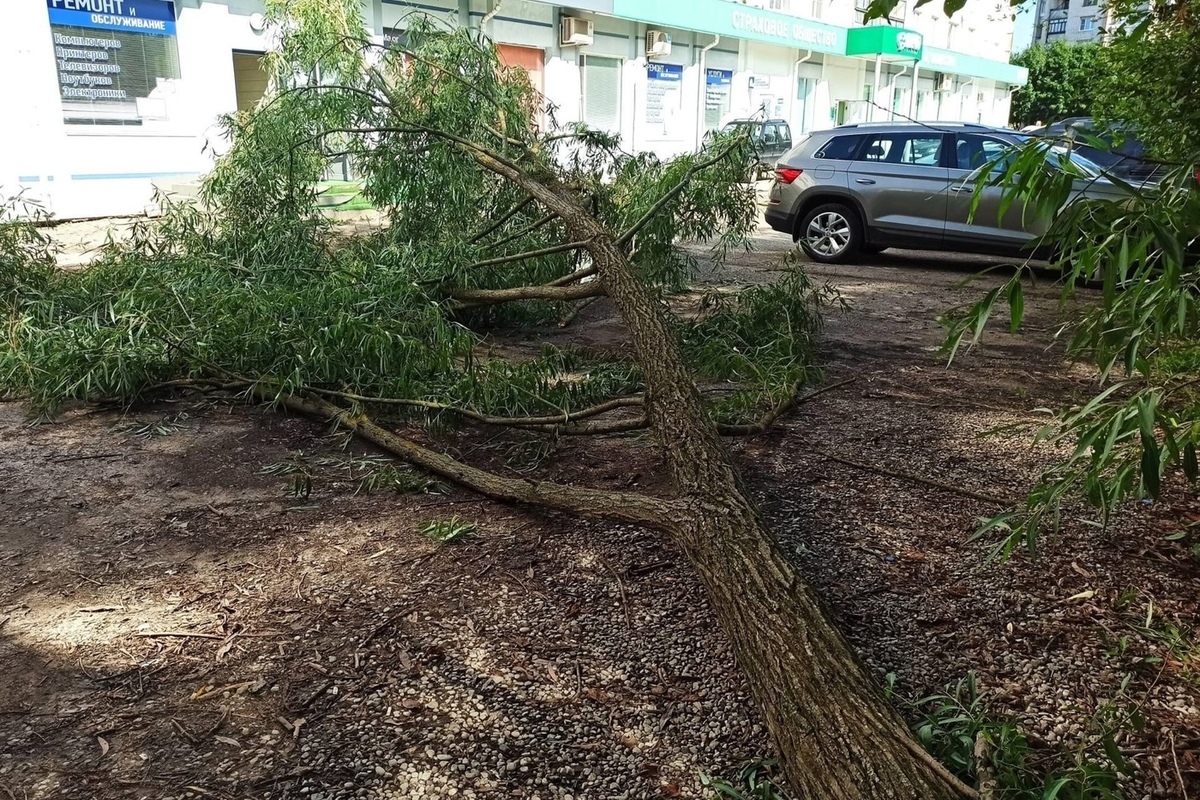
526,231
545,251
908,476
574,277
791,401
486,419
674,191
472,298
512,212
634,507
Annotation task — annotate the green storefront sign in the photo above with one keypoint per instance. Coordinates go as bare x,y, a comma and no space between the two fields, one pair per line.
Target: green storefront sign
885,40
938,60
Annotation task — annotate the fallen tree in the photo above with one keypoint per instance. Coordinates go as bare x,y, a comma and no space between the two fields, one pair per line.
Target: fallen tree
488,213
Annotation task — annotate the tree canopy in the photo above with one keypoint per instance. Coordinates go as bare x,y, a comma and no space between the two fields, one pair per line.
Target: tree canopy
1151,79
1064,81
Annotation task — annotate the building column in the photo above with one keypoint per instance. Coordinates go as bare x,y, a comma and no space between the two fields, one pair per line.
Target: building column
875,92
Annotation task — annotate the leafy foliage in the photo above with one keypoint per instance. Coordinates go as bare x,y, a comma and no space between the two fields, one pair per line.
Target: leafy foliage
1139,246
27,263
957,729
757,780
256,288
763,341
882,9
1064,81
1151,78
448,531
372,473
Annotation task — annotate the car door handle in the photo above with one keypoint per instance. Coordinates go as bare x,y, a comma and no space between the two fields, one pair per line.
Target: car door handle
864,181
962,188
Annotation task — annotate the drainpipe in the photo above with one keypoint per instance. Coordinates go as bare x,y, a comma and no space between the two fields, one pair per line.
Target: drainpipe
796,82
875,91
702,87
892,93
912,98
488,16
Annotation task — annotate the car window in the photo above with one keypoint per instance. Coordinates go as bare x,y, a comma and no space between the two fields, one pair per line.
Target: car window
973,152
926,151
840,148
903,148
770,135
785,135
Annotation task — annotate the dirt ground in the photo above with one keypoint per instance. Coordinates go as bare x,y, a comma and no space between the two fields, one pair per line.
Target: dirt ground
173,623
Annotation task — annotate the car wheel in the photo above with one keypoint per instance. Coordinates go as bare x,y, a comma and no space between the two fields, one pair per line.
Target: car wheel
831,234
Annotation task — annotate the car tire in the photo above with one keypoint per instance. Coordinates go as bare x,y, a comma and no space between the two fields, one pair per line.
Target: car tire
831,234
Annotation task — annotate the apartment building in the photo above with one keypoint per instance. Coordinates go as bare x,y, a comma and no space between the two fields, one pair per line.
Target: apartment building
120,97
1071,21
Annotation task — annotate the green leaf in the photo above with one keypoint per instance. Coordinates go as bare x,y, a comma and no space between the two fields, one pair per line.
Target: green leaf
1175,537
1116,756
1016,305
1053,789
1151,464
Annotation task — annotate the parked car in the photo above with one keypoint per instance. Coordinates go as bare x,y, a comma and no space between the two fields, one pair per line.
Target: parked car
771,137
866,187
1123,154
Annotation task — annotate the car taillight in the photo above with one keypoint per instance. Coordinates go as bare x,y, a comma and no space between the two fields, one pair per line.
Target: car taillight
787,174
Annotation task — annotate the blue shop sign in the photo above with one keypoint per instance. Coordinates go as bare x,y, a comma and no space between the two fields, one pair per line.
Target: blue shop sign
719,77
672,73
154,17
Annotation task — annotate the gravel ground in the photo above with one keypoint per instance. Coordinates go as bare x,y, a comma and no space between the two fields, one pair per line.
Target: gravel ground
175,625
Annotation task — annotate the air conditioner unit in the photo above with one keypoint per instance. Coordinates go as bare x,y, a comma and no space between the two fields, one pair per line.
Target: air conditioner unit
575,32
944,83
658,43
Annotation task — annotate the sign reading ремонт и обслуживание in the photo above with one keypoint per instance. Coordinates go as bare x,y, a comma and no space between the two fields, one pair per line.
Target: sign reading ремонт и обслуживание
111,57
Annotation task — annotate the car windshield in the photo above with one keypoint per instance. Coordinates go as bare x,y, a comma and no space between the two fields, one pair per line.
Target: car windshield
1060,156
755,128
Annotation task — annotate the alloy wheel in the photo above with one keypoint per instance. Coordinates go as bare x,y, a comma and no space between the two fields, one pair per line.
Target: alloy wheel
828,233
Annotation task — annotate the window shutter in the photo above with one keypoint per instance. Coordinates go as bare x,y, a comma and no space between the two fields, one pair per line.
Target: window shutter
602,93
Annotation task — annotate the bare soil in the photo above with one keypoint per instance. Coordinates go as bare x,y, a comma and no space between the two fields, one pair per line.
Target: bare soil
173,623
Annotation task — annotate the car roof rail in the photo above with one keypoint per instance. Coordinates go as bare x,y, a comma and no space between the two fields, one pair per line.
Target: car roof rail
919,124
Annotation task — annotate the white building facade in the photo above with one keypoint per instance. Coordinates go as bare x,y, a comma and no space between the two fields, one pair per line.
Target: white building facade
121,96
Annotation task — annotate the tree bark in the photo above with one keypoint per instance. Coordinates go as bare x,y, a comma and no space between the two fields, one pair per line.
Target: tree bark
837,736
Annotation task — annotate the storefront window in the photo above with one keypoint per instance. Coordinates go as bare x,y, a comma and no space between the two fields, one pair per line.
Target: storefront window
602,93
115,60
717,86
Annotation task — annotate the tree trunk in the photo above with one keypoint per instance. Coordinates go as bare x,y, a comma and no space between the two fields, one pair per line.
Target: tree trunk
836,735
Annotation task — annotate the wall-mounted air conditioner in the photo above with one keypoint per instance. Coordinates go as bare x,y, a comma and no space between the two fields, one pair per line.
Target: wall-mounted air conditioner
658,43
944,83
575,32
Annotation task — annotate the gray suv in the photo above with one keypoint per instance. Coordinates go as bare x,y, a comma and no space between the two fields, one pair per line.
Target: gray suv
864,188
